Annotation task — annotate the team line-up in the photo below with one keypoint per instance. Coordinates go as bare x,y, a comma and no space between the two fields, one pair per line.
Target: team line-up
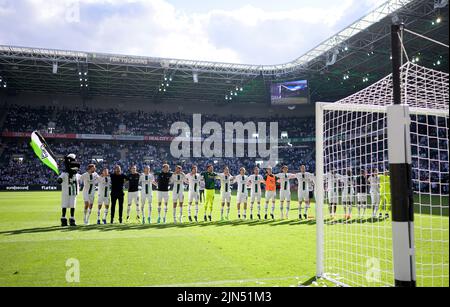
202,187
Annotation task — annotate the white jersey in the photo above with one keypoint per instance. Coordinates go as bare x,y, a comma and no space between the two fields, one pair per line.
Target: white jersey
349,184
104,186
89,181
305,181
332,181
374,182
194,182
255,181
70,187
285,184
146,183
178,183
241,181
226,181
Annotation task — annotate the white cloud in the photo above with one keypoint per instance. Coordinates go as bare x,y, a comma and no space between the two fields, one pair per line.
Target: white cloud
248,34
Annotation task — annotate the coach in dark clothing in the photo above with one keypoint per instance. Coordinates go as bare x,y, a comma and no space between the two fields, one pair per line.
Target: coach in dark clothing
117,182
163,179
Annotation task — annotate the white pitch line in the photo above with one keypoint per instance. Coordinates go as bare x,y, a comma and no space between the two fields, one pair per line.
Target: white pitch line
237,281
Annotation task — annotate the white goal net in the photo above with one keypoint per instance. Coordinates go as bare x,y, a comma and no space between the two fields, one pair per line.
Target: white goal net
353,199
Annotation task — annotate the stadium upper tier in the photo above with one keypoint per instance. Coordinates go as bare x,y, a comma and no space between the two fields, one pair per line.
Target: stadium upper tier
360,51
113,122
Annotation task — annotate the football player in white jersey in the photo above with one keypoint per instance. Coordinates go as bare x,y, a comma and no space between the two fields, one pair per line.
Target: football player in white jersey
374,182
242,192
305,181
193,179
255,182
285,190
332,188
89,180
226,181
146,181
104,190
177,180
69,192
348,193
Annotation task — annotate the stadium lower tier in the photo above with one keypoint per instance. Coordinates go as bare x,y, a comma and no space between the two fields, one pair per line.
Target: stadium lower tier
19,166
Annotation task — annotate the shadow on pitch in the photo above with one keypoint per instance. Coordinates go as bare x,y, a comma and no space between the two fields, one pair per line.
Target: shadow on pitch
127,227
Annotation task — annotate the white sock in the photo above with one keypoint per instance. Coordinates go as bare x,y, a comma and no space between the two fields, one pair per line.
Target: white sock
196,209
239,211
165,211
221,212
159,212
266,207
181,213
189,210
175,214
273,208
99,212
306,210
228,211
259,209
89,213
105,214
129,210
149,210
281,210
288,206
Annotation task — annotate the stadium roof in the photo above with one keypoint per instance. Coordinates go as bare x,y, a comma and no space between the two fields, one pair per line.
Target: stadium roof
352,59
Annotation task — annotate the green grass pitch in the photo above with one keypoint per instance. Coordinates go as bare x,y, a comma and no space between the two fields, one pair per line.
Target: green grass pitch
35,249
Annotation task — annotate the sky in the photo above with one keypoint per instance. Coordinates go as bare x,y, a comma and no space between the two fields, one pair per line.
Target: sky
232,31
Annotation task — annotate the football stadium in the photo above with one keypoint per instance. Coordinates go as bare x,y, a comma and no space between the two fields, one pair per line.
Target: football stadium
331,170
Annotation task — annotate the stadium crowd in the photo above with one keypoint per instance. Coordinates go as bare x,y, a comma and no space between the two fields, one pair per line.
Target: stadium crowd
115,122
18,166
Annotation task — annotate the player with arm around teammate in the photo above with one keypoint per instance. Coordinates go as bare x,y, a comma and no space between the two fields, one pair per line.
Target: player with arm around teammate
209,177
104,191
385,194
348,193
242,192
255,182
270,183
374,183
226,181
285,190
305,181
163,180
146,181
89,179
361,193
332,188
193,179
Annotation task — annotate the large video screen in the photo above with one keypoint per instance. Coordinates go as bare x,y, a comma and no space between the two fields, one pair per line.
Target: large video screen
290,93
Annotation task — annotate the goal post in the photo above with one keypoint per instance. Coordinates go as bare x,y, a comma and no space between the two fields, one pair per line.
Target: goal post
399,157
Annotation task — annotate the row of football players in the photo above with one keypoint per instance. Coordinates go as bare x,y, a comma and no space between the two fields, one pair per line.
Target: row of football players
140,192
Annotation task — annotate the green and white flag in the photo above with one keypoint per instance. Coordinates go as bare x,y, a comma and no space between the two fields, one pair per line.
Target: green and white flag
43,152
